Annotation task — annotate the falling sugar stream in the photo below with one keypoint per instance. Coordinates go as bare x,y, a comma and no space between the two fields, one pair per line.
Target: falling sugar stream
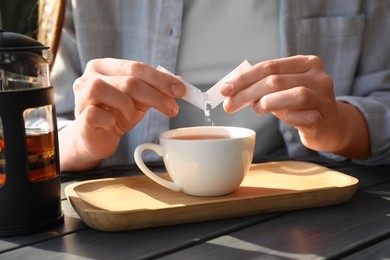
207,115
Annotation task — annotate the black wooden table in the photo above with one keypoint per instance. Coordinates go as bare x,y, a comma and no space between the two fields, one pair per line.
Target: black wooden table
357,229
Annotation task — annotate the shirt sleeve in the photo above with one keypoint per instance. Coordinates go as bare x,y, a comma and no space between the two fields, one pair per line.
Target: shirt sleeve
376,111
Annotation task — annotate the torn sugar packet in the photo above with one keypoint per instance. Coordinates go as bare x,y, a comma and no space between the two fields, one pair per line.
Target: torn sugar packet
212,96
193,95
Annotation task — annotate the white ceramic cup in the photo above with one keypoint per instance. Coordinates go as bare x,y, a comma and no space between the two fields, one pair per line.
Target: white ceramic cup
202,167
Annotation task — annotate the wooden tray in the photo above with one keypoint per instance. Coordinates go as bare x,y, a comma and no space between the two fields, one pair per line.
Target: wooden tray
126,203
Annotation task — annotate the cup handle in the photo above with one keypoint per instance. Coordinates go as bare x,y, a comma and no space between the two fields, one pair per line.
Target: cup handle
140,163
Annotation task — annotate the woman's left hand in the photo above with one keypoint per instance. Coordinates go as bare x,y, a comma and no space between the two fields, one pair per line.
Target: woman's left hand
298,91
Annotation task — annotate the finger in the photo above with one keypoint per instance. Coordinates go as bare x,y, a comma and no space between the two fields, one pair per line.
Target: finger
99,134
270,84
301,119
97,117
144,95
299,98
106,119
102,93
116,67
125,94
290,65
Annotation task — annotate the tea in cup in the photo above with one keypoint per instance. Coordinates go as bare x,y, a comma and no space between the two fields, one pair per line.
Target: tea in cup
202,161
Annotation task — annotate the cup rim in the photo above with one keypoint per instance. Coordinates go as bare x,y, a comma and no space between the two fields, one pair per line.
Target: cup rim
233,132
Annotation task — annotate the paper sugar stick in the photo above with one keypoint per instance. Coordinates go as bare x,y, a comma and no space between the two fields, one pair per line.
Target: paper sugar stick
212,96
193,95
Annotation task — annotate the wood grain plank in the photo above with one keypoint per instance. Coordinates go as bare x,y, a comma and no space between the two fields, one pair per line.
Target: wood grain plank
74,240
137,244
72,223
306,234
310,234
380,250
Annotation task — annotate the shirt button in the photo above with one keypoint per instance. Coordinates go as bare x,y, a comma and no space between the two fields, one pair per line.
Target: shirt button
288,136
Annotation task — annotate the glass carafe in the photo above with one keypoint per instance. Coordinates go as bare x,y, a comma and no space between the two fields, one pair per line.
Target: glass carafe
30,196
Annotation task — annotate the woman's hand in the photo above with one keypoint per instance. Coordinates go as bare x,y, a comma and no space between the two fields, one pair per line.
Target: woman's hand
298,91
111,97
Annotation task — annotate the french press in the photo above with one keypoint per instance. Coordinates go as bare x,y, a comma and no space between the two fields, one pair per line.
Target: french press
30,187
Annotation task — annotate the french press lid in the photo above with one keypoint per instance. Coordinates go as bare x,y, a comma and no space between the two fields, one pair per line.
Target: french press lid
24,62
10,41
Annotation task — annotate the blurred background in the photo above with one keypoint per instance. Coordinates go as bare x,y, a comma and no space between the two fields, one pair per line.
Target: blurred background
20,16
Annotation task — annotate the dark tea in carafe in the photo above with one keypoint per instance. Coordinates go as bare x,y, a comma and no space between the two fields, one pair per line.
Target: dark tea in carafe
41,156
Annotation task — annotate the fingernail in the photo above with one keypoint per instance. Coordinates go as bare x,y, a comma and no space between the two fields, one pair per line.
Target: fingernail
226,89
227,105
174,108
259,109
176,90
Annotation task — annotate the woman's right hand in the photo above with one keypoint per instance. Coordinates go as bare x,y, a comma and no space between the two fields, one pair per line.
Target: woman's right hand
111,97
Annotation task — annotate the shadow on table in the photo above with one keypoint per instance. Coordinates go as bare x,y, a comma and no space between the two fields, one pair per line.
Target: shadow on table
321,233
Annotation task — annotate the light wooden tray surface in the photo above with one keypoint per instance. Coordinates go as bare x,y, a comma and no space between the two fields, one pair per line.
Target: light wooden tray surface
126,203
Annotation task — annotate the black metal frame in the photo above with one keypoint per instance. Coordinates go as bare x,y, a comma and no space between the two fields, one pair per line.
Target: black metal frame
26,206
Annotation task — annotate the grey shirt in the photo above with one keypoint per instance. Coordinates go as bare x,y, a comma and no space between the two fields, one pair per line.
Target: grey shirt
216,37
351,37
